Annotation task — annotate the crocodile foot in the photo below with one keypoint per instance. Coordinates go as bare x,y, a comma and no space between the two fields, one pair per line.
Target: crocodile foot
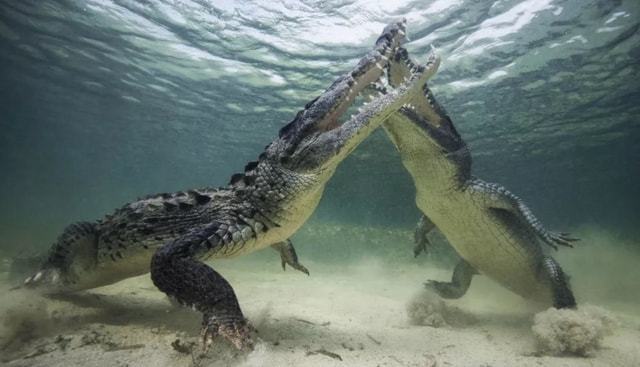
296,265
238,332
460,282
441,288
44,277
562,239
421,247
288,256
447,290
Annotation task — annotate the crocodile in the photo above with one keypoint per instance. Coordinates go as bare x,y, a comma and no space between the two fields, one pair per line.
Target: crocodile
173,234
492,230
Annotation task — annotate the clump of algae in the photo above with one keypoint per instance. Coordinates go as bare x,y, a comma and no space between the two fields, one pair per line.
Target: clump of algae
428,309
572,331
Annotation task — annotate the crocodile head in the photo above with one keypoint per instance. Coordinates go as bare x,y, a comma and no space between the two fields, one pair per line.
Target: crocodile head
423,132
309,144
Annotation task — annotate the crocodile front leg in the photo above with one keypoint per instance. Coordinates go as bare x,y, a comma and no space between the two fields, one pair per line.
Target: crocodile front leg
176,270
420,236
460,282
288,256
500,198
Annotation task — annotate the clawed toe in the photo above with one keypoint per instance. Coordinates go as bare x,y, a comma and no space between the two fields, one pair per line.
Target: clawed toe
563,239
295,265
44,276
300,267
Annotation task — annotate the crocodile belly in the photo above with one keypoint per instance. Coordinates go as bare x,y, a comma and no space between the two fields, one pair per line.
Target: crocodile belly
496,251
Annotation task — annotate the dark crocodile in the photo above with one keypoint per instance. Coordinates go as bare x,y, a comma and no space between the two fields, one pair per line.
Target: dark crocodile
172,235
491,229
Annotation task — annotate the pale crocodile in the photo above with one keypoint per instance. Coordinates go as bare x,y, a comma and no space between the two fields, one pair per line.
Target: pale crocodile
172,234
491,229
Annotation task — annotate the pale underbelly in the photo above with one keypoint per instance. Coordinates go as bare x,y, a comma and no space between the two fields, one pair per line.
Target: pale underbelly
492,249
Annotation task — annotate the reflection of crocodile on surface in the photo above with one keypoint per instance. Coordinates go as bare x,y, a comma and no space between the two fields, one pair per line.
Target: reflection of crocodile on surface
491,229
171,234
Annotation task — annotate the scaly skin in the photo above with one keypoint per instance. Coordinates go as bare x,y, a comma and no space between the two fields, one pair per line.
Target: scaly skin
261,207
491,229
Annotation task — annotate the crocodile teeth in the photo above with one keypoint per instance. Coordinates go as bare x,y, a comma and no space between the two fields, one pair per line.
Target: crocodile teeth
378,65
402,33
37,276
384,58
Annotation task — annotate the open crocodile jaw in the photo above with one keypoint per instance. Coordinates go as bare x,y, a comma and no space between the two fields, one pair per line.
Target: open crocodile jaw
322,113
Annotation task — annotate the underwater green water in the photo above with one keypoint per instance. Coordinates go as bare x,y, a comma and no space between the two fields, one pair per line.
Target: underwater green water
106,101
103,101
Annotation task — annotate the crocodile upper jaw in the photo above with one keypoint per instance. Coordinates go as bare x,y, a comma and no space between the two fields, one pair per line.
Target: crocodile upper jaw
321,115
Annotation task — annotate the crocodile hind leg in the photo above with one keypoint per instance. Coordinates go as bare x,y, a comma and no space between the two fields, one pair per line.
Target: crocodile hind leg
459,284
288,256
74,252
558,281
177,271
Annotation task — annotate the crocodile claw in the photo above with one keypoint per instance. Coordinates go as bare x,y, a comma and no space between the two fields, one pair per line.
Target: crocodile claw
49,276
562,239
238,332
421,247
296,265
288,256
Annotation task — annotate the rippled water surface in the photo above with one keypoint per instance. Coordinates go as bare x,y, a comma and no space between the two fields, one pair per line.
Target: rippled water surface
106,100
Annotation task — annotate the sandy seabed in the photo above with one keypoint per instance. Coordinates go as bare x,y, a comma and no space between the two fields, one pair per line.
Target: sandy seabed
359,314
